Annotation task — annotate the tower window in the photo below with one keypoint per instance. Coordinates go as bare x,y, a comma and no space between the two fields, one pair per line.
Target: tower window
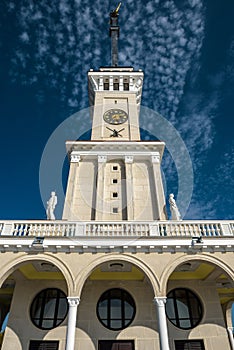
114,181
116,86
126,86
115,167
115,210
106,84
115,194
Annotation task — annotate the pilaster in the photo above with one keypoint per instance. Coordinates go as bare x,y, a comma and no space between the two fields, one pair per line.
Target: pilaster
159,191
111,83
100,187
71,185
129,186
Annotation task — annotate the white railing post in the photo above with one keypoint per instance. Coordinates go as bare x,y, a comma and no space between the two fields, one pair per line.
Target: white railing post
225,229
8,229
154,230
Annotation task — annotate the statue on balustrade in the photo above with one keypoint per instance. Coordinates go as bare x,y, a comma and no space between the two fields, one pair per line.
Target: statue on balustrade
51,204
175,214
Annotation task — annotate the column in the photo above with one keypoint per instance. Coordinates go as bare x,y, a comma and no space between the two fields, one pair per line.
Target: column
131,86
162,322
100,87
68,211
230,335
111,83
71,325
121,83
129,187
159,191
100,187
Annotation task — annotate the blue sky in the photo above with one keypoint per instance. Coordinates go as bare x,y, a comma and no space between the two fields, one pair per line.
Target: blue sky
186,50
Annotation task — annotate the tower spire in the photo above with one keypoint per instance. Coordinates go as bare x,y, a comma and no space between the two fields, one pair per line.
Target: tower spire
114,34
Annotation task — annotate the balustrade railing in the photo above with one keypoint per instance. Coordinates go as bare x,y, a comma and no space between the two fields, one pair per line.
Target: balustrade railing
166,229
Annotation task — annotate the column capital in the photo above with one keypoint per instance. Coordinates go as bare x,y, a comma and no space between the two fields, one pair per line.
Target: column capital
102,159
128,159
155,157
160,301
73,301
75,158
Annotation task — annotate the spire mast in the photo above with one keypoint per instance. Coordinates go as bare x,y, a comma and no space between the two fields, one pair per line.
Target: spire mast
114,34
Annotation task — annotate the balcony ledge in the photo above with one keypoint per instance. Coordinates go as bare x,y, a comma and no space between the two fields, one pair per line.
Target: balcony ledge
122,236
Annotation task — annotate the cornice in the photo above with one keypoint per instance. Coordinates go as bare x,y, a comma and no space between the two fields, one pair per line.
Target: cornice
148,245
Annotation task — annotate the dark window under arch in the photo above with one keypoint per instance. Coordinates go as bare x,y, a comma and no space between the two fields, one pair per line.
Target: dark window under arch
49,308
116,309
183,308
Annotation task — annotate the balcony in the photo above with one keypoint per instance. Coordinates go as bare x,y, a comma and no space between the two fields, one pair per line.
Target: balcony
159,229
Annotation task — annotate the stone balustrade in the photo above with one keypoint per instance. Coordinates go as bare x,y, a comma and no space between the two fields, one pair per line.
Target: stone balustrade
160,229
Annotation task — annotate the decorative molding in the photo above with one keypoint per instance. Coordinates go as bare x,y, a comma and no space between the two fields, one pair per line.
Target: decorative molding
155,157
73,301
128,159
160,301
75,158
96,244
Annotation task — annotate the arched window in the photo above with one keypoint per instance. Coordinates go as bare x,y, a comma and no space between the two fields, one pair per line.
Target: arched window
183,308
116,309
49,308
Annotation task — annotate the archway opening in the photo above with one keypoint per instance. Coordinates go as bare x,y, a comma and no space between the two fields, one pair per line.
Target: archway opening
198,292
33,302
117,302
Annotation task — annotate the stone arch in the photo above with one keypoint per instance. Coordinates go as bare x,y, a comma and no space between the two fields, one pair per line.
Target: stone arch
204,257
11,266
81,279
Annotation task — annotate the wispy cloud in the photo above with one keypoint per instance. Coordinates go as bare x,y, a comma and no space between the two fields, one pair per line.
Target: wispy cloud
196,124
59,43
65,40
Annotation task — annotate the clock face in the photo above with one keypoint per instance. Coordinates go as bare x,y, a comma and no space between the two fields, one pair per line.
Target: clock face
115,116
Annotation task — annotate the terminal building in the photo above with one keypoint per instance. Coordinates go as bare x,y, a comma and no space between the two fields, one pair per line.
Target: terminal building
115,273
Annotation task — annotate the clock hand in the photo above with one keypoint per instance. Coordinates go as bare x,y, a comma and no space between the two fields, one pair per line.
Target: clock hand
116,133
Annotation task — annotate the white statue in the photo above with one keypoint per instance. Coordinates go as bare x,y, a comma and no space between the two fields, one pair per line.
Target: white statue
175,214
51,204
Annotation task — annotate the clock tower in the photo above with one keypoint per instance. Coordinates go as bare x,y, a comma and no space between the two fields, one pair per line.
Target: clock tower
115,176
115,93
